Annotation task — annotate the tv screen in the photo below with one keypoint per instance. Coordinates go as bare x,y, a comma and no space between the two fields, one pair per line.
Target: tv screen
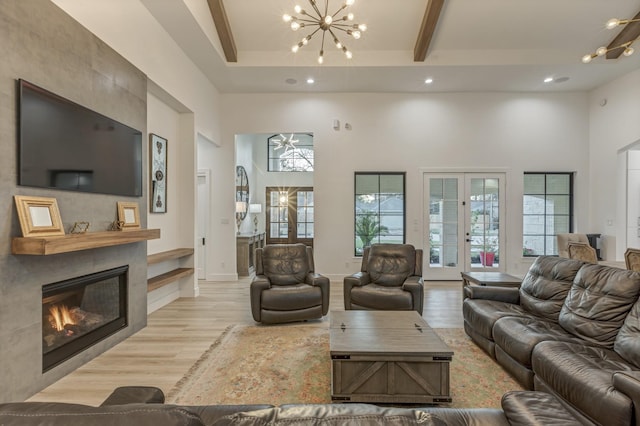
64,145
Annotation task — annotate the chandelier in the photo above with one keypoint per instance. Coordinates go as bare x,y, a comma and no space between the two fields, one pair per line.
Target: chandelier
601,51
318,20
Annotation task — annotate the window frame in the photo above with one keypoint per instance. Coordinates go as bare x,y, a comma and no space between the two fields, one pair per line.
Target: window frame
355,204
303,146
571,217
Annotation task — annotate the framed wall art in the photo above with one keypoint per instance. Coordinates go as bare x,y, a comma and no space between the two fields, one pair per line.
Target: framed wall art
158,170
128,215
39,216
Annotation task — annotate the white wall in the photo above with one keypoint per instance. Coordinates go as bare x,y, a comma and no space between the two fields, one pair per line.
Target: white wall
416,133
614,109
129,28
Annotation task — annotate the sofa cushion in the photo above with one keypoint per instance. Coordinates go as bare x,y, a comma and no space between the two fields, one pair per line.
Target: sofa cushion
60,414
536,408
482,314
391,264
331,414
517,336
285,264
291,297
598,302
627,343
546,284
583,376
375,296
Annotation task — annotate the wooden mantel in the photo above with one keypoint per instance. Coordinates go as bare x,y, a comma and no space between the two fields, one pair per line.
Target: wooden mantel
43,246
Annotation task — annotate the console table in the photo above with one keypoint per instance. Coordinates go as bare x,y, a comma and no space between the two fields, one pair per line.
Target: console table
246,245
496,279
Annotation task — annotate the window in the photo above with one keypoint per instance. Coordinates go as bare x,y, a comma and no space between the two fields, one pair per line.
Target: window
291,152
547,211
379,209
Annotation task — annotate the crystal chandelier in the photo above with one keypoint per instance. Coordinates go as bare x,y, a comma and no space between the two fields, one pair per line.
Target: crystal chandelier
318,20
601,51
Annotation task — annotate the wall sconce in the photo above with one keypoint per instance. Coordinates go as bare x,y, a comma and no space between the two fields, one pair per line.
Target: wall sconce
241,207
255,209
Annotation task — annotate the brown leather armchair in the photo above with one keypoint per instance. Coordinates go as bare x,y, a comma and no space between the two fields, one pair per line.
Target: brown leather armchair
390,279
285,287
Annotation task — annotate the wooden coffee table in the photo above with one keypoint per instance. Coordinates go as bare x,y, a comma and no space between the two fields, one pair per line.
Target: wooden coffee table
387,357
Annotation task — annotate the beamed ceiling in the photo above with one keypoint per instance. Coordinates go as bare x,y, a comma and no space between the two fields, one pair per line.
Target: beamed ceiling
463,45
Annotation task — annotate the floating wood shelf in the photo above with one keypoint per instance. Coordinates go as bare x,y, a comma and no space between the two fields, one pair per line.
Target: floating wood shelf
161,280
167,278
168,255
43,246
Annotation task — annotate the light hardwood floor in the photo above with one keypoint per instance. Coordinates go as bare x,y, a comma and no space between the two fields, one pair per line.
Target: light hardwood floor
177,335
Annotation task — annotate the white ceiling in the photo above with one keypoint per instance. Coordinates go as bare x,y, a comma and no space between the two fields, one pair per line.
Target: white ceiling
478,45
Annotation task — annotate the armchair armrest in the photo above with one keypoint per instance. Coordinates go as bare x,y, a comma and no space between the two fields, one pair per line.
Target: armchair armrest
325,286
354,280
499,294
414,285
134,395
259,283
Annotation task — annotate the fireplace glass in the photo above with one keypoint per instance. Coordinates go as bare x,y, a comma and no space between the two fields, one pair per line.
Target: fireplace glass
79,312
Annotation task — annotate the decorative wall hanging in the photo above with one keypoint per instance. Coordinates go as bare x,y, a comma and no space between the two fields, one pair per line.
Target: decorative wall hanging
158,170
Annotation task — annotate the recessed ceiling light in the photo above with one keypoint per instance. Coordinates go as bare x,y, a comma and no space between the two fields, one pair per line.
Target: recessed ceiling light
310,80
291,81
548,79
560,79
428,80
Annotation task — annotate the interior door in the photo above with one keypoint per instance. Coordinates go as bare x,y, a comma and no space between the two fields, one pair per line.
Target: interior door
462,221
203,218
290,215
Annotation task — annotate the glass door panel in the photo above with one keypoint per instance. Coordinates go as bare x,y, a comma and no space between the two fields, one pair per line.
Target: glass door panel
290,215
445,219
484,237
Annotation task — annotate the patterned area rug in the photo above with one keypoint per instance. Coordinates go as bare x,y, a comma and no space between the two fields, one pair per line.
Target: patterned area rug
290,364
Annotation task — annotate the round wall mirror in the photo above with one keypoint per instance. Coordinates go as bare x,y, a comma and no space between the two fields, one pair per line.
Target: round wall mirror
242,192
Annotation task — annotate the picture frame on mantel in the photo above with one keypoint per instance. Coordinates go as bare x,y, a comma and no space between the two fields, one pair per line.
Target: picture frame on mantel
38,216
158,171
128,215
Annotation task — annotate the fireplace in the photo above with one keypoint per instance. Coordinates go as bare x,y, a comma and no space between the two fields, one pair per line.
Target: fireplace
79,312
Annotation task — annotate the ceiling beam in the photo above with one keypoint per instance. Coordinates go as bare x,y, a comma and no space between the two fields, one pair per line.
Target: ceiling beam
224,30
428,27
630,32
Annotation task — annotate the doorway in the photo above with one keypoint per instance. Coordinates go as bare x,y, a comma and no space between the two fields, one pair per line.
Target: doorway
290,215
464,230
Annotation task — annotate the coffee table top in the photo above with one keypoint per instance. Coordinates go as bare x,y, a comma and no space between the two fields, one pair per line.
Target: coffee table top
384,332
489,278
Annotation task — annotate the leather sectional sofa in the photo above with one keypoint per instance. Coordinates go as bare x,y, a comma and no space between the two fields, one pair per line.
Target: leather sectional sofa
143,406
568,331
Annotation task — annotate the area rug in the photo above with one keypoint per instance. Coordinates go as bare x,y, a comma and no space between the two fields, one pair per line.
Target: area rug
290,364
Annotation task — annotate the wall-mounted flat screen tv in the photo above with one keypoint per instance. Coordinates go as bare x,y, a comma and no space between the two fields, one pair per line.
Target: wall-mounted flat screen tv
63,145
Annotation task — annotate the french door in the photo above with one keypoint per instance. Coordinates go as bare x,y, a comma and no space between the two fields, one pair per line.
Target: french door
463,226
290,215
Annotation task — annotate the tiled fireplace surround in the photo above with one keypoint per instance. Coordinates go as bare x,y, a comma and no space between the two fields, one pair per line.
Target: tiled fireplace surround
41,44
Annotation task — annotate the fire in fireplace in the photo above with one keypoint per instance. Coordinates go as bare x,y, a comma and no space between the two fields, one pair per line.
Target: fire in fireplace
79,312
